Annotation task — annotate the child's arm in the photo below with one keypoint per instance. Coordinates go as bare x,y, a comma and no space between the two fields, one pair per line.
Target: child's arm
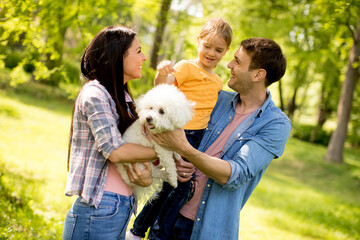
164,75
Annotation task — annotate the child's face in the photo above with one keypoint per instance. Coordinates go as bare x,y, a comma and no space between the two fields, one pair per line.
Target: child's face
211,49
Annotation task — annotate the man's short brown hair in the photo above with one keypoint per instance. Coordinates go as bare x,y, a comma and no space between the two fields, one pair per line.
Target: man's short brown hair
266,54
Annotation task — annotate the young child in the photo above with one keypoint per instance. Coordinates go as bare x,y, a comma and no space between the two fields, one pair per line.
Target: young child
199,84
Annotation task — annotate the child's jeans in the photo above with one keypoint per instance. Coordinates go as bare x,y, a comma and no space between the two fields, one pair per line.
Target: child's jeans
160,213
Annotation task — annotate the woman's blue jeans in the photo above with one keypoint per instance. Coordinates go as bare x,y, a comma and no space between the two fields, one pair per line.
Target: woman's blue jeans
108,221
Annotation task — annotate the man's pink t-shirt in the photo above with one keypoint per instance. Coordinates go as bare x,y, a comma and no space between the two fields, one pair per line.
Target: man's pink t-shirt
189,210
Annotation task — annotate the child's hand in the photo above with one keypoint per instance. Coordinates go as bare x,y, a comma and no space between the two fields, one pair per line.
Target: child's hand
165,68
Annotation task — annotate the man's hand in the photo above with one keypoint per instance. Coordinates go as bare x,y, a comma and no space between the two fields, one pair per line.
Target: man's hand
184,170
172,140
140,177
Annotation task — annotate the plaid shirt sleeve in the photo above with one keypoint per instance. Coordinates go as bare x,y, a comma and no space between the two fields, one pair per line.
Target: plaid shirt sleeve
102,119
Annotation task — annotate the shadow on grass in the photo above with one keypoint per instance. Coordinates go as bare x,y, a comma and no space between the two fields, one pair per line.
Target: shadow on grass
17,218
39,95
319,198
9,111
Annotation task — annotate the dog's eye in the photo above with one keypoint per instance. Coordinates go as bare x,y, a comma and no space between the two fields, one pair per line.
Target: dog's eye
150,108
161,111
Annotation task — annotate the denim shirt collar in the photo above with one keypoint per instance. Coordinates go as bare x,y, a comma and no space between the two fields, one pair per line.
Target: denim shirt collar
260,110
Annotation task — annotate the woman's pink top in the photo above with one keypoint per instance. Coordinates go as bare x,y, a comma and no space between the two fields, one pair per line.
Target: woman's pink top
115,183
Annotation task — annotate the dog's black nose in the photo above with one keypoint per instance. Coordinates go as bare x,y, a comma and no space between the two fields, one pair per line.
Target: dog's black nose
149,119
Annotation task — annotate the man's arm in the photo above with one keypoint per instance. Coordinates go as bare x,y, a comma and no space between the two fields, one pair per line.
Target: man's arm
213,167
255,155
252,157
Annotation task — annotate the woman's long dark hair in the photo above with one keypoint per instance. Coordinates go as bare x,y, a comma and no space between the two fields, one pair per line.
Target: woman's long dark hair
103,61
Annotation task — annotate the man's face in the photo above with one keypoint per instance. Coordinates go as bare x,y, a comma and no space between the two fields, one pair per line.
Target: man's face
241,79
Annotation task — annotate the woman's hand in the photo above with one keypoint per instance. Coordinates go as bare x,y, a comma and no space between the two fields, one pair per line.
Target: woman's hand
184,170
140,177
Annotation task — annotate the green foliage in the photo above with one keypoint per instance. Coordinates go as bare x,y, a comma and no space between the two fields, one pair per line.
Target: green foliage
39,30
354,128
13,58
310,133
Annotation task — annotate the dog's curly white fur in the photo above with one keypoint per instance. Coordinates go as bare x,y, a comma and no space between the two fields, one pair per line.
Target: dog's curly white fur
163,108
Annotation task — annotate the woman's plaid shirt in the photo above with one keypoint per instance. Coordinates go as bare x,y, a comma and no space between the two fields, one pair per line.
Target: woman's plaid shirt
95,136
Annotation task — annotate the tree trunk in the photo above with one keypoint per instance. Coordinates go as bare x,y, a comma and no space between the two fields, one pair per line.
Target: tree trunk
321,118
162,21
291,106
336,146
321,115
281,96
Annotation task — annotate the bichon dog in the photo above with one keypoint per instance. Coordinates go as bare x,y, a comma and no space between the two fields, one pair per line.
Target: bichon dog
163,108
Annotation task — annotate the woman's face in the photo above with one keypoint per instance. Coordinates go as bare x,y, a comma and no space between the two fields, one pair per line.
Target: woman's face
133,60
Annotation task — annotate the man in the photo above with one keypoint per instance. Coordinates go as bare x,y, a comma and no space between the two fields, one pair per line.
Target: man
246,131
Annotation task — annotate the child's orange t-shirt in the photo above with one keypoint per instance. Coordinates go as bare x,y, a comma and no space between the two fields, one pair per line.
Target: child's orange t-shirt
200,87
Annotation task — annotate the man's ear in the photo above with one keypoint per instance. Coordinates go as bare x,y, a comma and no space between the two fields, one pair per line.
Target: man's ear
260,75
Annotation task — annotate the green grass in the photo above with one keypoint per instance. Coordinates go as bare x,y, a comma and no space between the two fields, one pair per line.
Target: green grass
299,197
302,197
34,127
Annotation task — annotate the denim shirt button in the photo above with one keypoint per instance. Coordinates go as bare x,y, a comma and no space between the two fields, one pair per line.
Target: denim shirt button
198,219
203,202
218,132
208,185
230,117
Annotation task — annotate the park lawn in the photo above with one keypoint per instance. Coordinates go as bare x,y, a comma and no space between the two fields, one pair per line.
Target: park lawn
299,197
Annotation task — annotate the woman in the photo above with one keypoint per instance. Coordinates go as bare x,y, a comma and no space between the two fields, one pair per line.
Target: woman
102,112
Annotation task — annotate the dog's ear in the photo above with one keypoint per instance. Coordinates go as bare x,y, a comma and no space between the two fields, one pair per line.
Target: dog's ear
183,110
139,103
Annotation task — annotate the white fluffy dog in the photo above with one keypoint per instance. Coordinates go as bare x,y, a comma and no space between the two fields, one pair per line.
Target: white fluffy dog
162,108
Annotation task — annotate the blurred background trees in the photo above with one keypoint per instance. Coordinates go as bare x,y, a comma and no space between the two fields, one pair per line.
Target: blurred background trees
43,40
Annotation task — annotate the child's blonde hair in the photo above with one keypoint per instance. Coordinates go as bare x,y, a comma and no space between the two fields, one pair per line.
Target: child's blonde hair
217,26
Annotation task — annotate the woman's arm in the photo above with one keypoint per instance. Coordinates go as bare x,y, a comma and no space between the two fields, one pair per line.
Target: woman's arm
132,153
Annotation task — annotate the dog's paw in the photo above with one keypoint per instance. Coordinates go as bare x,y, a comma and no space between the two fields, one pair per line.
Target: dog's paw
173,183
177,156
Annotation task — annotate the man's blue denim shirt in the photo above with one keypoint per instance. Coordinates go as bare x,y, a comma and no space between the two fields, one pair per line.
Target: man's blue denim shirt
259,139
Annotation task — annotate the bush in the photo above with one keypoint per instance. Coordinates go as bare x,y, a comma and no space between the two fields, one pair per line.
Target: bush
72,71
13,58
310,133
29,67
354,139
